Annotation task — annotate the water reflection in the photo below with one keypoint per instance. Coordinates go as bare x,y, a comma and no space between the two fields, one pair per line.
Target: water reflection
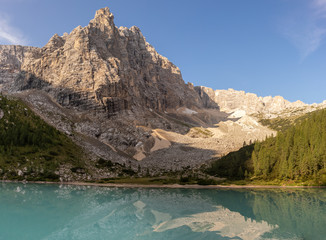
80,212
222,221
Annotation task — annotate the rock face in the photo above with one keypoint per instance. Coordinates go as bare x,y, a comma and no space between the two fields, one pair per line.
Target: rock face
102,65
11,61
105,83
239,102
112,93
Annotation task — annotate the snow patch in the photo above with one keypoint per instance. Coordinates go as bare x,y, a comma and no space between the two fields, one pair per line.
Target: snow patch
186,111
238,114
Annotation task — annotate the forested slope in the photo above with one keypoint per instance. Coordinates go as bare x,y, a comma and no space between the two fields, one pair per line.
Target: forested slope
30,148
298,153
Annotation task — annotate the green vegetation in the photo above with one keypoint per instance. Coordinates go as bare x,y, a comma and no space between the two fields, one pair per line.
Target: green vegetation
161,180
283,124
140,180
278,124
30,148
298,153
235,165
295,155
197,132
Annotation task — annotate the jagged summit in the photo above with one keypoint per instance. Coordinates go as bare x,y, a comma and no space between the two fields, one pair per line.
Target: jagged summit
112,91
267,107
104,13
105,66
103,19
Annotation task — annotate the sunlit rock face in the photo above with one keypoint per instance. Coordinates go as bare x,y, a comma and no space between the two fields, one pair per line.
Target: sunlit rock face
101,64
110,84
233,101
108,89
105,82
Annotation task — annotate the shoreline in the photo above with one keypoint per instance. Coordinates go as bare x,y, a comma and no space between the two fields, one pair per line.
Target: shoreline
168,186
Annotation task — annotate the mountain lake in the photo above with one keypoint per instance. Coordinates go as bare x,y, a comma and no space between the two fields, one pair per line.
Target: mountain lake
43,211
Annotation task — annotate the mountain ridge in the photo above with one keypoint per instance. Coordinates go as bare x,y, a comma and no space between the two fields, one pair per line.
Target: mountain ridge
108,89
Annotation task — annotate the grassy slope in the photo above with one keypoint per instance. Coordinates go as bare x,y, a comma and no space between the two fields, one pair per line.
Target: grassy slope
30,148
283,124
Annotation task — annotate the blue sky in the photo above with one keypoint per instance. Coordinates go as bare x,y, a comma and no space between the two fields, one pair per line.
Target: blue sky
268,47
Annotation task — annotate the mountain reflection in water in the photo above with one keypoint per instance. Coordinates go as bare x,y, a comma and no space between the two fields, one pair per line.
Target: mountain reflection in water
49,212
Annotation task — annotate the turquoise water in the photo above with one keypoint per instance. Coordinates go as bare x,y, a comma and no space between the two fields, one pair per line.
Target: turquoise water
33,211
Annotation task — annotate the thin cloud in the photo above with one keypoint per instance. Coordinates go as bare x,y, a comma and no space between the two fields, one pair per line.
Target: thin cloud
9,34
320,7
307,28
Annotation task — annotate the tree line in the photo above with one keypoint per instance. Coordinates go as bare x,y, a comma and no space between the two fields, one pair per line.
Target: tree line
20,127
296,153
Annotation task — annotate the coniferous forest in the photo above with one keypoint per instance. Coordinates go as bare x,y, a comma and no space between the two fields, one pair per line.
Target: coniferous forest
298,153
29,147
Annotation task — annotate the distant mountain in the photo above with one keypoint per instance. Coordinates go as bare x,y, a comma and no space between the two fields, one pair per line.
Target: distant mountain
109,90
241,103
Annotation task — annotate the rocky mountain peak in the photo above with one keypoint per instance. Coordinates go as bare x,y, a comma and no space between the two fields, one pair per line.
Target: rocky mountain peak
103,18
104,13
54,43
100,66
110,85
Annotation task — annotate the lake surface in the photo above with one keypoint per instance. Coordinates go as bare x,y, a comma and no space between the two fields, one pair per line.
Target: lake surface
35,211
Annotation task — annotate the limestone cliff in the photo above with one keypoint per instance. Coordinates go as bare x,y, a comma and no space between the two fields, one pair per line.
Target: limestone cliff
111,92
101,64
106,87
11,61
240,103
